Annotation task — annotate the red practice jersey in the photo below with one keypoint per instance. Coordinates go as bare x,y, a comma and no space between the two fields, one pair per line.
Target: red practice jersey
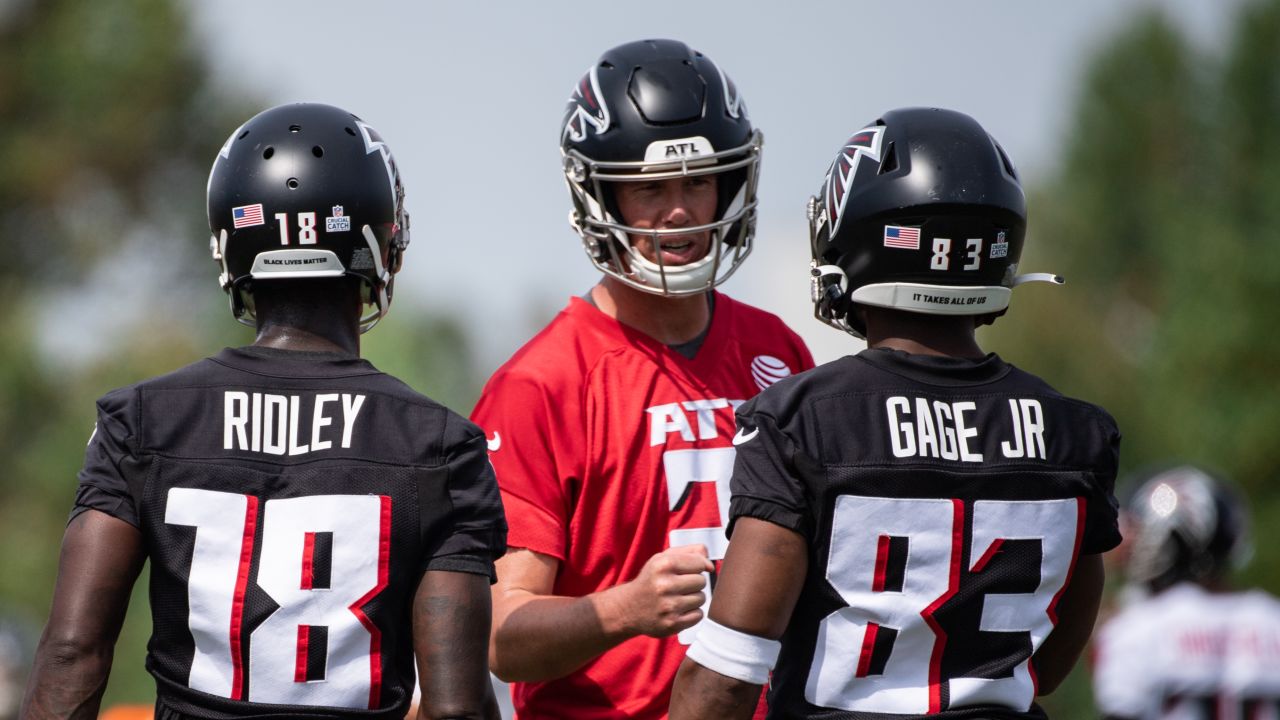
611,447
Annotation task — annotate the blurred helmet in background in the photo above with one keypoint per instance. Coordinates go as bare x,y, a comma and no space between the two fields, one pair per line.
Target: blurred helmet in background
1188,526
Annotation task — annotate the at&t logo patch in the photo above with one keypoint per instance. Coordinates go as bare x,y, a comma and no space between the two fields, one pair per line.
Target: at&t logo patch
767,370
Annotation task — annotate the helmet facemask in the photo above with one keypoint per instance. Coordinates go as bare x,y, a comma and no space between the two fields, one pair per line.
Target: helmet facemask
608,240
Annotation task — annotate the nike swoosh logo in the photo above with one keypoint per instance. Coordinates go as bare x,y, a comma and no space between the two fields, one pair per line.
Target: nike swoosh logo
494,442
741,438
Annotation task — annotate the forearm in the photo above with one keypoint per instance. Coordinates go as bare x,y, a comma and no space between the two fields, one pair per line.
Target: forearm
67,680
451,616
703,693
542,637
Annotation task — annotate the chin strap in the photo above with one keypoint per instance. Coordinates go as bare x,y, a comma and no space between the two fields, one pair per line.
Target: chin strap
1038,277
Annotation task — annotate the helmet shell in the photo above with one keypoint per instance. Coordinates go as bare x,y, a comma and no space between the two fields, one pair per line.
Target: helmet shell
306,190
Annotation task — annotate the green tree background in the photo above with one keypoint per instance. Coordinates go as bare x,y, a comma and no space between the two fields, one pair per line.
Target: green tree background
1162,216
1164,219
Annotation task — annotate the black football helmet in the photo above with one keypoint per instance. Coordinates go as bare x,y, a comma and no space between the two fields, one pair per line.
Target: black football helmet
655,110
922,211
1188,525
305,191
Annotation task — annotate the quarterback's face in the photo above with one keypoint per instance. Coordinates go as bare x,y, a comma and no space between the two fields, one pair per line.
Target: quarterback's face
669,204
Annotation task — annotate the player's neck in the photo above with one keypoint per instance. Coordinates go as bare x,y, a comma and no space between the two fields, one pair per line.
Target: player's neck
920,334
319,337
669,320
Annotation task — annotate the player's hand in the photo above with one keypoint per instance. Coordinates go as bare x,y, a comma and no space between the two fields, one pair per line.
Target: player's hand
667,596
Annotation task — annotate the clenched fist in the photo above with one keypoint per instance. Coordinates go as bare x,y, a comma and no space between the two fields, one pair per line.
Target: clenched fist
667,596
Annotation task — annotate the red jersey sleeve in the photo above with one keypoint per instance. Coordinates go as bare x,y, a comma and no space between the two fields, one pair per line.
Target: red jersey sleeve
534,448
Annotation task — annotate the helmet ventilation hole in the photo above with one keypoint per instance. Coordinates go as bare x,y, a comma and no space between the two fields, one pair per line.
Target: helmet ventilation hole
890,162
295,128
606,64
243,135
350,132
1008,166
317,151
293,183
266,154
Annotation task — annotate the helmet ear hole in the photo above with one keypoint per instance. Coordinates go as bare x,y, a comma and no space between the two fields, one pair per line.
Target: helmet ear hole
1008,164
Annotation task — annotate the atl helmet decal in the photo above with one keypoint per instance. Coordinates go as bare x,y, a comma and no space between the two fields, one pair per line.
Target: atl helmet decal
373,142
732,100
864,143
589,108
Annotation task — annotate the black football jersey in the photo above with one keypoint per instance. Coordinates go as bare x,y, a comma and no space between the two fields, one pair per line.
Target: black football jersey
290,503
945,502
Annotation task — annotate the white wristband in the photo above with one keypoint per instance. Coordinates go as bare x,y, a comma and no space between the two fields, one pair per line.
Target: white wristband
734,654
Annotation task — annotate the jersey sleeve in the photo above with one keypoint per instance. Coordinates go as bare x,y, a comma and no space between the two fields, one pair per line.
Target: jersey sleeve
476,531
110,462
1102,521
530,443
765,483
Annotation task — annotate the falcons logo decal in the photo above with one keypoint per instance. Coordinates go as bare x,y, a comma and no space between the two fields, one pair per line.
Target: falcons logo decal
864,143
587,108
373,143
732,100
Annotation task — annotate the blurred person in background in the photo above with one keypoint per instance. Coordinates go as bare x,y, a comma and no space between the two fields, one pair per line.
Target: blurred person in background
610,431
916,529
15,662
311,523
1186,644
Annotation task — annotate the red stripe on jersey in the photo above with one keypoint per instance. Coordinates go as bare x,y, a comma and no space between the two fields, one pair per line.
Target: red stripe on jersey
237,602
882,563
300,658
308,561
375,635
868,645
953,584
988,555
